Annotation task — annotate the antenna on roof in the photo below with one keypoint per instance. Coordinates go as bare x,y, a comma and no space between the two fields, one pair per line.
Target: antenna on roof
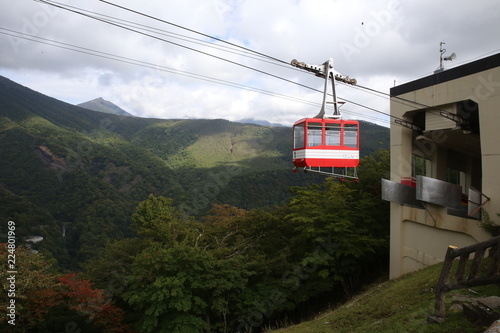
451,57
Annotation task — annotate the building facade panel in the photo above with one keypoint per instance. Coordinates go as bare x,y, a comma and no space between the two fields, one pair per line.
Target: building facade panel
451,135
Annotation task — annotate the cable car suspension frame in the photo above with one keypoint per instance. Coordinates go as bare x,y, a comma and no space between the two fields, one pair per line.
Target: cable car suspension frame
334,152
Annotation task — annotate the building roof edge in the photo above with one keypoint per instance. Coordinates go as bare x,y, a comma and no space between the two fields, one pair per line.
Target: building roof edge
448,75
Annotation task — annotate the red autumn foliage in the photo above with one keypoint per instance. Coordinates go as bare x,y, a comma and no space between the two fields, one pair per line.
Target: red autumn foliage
39,291
81,297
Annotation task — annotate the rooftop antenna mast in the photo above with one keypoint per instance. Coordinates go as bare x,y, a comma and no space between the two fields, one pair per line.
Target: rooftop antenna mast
451,57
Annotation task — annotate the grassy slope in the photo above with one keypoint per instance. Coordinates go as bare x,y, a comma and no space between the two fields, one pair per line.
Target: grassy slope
395,306
220,142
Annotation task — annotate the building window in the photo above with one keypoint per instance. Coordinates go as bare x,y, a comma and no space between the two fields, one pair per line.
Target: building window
420,166
457,177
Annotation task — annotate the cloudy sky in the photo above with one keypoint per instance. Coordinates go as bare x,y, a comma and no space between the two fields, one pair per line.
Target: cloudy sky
155,69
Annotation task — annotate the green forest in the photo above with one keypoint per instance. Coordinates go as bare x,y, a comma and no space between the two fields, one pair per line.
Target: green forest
153,225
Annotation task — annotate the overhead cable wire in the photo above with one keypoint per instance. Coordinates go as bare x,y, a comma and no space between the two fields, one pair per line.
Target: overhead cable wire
238,51
136,62
409,102
115,57
396,98
176,44
65,7
224,41
404,101
384,95
235,49
194,31
215,38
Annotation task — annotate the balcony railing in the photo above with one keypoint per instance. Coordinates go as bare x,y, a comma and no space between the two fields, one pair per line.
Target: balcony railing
420,191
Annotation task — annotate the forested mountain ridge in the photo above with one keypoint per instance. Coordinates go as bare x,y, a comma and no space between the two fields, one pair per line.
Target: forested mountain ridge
186,225
85,171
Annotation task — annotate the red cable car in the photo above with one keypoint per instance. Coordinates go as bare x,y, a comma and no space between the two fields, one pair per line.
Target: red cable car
330,143
323,142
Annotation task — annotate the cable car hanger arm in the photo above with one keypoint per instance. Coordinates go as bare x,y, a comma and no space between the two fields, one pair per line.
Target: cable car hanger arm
320,70
327,72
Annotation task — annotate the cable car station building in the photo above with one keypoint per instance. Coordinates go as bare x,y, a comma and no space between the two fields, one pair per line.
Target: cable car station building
445,162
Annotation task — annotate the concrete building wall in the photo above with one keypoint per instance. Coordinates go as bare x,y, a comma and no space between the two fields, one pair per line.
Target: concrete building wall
420,236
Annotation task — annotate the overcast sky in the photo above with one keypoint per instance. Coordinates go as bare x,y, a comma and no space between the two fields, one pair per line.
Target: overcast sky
379,43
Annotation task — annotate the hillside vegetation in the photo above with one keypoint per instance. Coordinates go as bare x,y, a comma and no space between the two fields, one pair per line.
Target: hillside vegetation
231,271
396,306
152,225
68,167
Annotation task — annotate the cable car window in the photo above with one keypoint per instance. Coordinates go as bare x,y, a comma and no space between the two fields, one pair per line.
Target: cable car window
350,135
298,136
314,134
333,134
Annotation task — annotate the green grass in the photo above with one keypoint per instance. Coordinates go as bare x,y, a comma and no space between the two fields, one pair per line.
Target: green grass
244,146
395,306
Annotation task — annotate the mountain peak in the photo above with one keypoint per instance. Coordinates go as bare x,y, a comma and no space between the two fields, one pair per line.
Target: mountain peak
259,122
101,105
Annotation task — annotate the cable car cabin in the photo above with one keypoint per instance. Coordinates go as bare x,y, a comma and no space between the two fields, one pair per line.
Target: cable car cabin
323,142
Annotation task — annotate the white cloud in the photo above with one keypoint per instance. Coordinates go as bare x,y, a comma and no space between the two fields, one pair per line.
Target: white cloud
376,42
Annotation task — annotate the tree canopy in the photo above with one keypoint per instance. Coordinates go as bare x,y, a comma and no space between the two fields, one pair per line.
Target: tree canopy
236,271
231,270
